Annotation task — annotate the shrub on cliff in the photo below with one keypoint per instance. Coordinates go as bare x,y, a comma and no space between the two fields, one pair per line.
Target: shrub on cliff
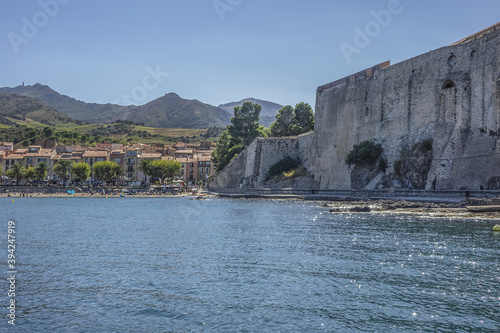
286,164
364,153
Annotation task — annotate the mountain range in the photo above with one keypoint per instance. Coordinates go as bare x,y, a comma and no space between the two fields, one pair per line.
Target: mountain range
168,111
22,107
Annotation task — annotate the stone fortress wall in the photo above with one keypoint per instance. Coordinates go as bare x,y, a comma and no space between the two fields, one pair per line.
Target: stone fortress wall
451,95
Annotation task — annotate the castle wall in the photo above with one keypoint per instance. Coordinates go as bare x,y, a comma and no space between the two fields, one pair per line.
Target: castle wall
250,167
450,94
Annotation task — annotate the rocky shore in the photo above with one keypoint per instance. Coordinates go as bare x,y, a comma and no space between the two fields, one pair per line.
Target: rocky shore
466,208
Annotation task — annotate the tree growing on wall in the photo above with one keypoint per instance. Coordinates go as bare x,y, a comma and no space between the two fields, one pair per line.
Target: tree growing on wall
366,153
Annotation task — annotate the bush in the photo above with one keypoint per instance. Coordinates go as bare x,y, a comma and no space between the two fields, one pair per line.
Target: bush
286,164
421,147
364,153
382,164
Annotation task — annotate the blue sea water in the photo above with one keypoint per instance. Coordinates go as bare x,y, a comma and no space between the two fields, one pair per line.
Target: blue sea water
221,265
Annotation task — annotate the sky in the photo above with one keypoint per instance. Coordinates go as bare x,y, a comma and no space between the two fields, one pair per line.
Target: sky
219,51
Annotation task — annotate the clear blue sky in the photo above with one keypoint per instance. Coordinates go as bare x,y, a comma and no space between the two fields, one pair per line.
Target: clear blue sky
277,50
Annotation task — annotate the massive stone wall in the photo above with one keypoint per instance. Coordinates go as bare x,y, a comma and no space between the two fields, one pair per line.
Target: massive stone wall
450,95
250,167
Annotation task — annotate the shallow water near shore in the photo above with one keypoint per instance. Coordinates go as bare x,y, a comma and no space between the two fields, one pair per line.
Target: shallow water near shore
225,265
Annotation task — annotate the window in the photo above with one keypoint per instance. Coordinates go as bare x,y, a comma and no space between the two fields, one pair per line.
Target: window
452,60
448,84
130,168
29,160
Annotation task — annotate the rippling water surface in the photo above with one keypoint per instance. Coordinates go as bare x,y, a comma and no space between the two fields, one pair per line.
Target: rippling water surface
180,265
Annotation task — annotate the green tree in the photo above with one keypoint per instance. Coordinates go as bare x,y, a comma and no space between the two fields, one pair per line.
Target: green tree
62,170
107,171
82,171
41,171
304,117
48,132
30,173
221,156
173,169
163,170
243,130
291,121
145,167
364,153
244,126
17,172
285,122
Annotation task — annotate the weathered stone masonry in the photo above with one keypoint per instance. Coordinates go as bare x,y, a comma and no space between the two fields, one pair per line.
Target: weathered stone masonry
451,95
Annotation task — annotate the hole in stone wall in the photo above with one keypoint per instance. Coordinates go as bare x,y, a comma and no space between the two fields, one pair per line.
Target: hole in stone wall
366,111
448,84
452,60
472,54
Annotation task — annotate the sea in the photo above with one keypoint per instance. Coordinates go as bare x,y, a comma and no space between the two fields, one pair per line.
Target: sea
242,265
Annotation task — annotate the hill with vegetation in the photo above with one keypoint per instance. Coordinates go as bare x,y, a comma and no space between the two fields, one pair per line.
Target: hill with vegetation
88,112
13,106
172,111
169,111
267,114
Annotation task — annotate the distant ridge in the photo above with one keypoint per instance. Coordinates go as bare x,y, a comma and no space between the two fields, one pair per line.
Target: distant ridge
267,114
89,112
169,111
172,111
24,107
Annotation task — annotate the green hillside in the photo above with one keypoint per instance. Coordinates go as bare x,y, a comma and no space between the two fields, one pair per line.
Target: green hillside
89,112
25,108
169,111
